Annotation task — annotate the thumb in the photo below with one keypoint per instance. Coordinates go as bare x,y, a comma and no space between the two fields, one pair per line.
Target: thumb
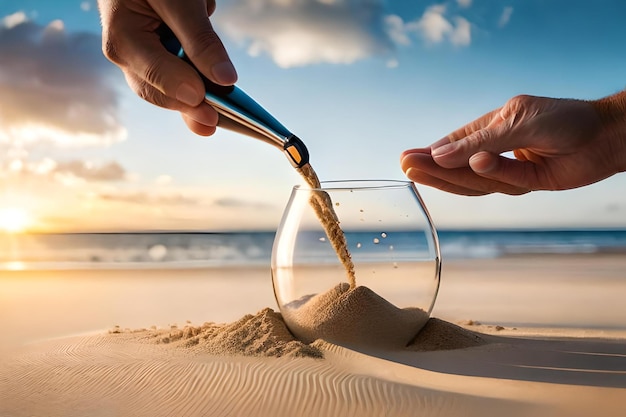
522,174
484,163
456,154
189,21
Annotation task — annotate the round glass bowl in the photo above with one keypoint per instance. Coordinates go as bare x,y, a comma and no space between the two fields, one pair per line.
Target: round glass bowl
391,245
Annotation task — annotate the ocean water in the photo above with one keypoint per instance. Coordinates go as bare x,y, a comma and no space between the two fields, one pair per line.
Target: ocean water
198,249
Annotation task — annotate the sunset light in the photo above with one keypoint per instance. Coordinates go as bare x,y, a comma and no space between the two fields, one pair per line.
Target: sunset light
13,219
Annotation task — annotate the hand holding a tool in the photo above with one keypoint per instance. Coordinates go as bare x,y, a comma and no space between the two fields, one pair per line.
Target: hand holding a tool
130,39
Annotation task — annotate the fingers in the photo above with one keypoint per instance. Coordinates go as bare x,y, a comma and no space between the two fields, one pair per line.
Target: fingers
470,128
422,177
553,142
413,151
150,65
498,131
456,154
454,150
189,20
523,174
197,127
203,114
506,116
420,167
130,41
483,162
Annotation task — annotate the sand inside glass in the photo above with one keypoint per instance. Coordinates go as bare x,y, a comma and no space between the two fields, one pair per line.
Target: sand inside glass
348,314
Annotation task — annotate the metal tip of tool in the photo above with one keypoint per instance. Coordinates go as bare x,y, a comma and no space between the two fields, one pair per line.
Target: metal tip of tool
297,153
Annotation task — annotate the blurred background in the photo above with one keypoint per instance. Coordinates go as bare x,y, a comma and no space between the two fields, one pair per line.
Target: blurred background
358,80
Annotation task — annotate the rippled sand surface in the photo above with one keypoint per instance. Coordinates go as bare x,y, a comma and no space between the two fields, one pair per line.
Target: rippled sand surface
518,363
128,374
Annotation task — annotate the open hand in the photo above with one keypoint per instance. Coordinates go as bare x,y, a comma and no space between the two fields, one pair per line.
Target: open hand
556,143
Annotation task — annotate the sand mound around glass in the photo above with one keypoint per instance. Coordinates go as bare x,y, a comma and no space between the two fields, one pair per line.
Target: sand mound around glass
378,296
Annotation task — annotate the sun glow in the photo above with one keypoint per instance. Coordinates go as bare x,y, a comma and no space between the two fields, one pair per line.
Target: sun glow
14,219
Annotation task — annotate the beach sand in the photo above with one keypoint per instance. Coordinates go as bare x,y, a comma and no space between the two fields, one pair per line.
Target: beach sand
519,336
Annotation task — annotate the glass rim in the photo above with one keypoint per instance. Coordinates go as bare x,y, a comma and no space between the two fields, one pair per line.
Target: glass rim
368,184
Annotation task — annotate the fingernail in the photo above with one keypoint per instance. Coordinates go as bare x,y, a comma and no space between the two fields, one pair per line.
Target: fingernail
442,150
441,142
414,151
224,73
188,95
482,163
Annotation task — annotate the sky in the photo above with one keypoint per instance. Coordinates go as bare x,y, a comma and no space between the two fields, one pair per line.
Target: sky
359,81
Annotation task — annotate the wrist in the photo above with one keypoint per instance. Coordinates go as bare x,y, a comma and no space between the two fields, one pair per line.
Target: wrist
612,113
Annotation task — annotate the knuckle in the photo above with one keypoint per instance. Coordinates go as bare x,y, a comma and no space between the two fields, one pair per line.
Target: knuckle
520,102
153,72
148,93
110,49
479,138
467,131
518,109
206,41
516,106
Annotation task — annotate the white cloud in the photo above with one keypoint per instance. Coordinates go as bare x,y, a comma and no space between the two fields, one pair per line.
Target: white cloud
12,20
303,32
433,26
47,170
396,30
85,6
55,87
461,34
393,63
232,202
149,198
505,17
111,171
297,33
163,180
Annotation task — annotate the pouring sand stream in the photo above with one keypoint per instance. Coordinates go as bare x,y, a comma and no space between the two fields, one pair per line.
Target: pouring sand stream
323,207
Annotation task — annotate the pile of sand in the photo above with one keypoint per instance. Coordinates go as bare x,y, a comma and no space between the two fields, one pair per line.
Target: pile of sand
357,318
354,318
441,335
262,334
